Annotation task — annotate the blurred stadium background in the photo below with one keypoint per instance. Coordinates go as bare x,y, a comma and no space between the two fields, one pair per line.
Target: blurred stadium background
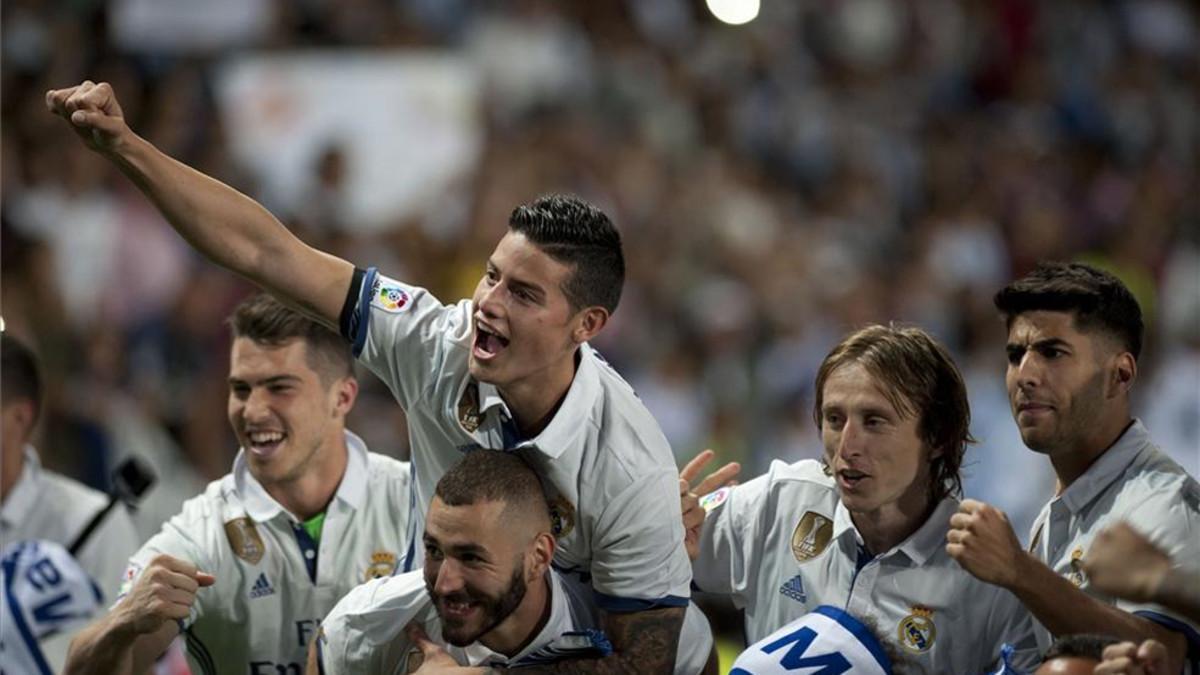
827,164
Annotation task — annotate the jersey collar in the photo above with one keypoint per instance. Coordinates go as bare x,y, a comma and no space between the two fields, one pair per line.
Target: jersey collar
261,506
920,546
24,495
558,623
575,413
1107,468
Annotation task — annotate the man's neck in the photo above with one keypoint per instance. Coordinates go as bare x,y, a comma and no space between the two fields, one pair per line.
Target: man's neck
534,400
515,632
884,528
309,494
1073,460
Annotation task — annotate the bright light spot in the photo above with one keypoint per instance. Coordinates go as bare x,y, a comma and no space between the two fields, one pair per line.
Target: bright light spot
733,12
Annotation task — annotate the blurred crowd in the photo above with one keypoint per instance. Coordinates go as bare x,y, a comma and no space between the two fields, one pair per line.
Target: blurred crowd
828,165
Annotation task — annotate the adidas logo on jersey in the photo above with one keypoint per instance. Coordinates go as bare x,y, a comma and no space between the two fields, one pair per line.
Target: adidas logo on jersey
262,587
794,589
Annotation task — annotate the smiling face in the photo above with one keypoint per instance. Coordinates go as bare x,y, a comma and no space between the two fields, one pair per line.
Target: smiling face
880,463
525,330
1061,381
287,419
475,571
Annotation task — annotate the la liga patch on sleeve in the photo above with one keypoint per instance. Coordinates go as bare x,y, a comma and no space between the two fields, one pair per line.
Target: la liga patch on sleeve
389,297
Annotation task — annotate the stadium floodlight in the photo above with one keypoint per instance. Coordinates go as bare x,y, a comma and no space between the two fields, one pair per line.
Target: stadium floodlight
733,12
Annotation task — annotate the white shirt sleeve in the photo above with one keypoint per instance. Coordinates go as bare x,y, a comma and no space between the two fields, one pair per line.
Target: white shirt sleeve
182,537
639,561
403,332
1171,520
364,632
730,551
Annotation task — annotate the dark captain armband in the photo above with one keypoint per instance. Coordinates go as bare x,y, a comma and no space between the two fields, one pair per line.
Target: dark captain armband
356,310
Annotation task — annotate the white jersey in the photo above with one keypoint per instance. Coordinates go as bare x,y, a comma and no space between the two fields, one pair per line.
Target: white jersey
44,505
364,634
826,638
608,468
1133,481
274,584
784,543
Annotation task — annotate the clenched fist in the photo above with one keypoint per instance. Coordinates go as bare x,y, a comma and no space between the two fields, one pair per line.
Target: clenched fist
164,592
982,541
93,112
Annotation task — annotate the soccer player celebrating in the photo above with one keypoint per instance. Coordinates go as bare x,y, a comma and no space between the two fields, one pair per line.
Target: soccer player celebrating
864,529
508,369
1074,337
487,593
250,567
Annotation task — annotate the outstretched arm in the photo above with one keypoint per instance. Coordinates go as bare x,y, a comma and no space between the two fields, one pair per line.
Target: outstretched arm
226,226
1124,563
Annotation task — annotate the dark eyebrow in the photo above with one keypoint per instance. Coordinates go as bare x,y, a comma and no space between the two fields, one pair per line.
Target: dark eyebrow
276,379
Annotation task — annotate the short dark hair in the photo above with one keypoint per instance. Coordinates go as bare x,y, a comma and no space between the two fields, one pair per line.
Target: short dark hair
20,378
579,235
266,321
919,378
485,475
1082,646
1096,298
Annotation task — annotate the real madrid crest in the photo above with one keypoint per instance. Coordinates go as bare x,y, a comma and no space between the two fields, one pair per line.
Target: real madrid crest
811,536
243,537
1076,575
917,632
468,408
562,517
383,563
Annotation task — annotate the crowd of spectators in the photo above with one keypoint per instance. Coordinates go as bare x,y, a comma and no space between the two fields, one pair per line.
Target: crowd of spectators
828,165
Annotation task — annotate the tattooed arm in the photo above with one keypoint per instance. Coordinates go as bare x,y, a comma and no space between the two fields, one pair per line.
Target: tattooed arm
643,642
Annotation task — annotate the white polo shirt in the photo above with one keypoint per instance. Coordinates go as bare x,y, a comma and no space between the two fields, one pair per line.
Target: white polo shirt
273,583
1132,481
364,634
45,505
783,544
607,467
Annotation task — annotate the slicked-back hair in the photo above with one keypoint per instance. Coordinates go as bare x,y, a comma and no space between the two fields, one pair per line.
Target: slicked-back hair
20,377
1081,646
485,475
1098,300
579,235
268,322
919,379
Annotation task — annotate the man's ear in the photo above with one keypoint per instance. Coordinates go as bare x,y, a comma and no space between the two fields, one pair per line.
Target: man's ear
542,554
1123,374
591,321
346,390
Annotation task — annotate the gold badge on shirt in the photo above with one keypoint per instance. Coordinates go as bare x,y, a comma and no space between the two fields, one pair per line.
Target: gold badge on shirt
811,536
917,632
244,538
383,563
562,517
468,408
413,660
1076,575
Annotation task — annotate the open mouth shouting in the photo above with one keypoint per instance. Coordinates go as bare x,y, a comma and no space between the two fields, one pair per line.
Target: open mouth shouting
488,342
